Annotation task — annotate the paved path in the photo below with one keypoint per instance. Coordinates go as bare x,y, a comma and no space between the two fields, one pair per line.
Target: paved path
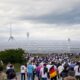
18,77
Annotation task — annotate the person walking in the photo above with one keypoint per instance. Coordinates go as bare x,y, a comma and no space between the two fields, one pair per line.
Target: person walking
23,71
30,70
44,72
11,75
34,71
53,72
77,71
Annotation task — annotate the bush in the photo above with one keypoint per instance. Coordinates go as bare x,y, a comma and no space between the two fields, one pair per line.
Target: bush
12,55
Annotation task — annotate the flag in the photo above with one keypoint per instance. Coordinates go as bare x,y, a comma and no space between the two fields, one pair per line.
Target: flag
52,72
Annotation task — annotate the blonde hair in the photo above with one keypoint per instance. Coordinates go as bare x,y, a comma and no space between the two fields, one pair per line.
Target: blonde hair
69,78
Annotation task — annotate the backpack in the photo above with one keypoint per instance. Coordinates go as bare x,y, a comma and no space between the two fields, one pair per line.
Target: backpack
52,72
12,74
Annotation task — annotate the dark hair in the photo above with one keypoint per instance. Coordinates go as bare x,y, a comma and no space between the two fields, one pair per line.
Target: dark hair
69,78
71,68
79,68
11,66
45,70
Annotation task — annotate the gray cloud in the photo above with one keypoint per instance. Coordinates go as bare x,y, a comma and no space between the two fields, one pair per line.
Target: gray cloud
40,17
70,17
43,11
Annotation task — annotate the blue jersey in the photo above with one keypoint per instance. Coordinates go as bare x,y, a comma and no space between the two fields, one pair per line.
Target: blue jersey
30,68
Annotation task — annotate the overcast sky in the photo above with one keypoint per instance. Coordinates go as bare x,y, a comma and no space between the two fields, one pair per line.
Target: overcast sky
43,19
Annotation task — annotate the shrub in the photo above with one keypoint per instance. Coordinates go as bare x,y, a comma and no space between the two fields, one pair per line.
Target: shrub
12,55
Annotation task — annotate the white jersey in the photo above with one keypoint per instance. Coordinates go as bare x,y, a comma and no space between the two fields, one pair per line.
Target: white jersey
77,73
23,69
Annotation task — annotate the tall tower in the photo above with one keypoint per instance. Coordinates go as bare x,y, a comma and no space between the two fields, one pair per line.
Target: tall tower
69,45
11,36
28,35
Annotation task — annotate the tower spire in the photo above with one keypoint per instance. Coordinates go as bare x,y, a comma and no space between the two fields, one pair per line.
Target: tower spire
11,37
28,34
69,47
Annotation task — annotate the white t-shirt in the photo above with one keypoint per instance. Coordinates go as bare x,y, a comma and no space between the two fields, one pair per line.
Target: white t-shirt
60,69
76,71
42,73
48,66
23,69
8,67
34,66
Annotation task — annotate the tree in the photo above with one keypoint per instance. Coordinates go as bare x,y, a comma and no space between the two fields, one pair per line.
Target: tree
12,55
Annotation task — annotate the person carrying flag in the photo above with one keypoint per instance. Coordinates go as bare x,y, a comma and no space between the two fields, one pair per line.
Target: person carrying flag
53,72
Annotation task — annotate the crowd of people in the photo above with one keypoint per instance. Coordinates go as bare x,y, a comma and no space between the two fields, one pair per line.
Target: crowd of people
50,67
